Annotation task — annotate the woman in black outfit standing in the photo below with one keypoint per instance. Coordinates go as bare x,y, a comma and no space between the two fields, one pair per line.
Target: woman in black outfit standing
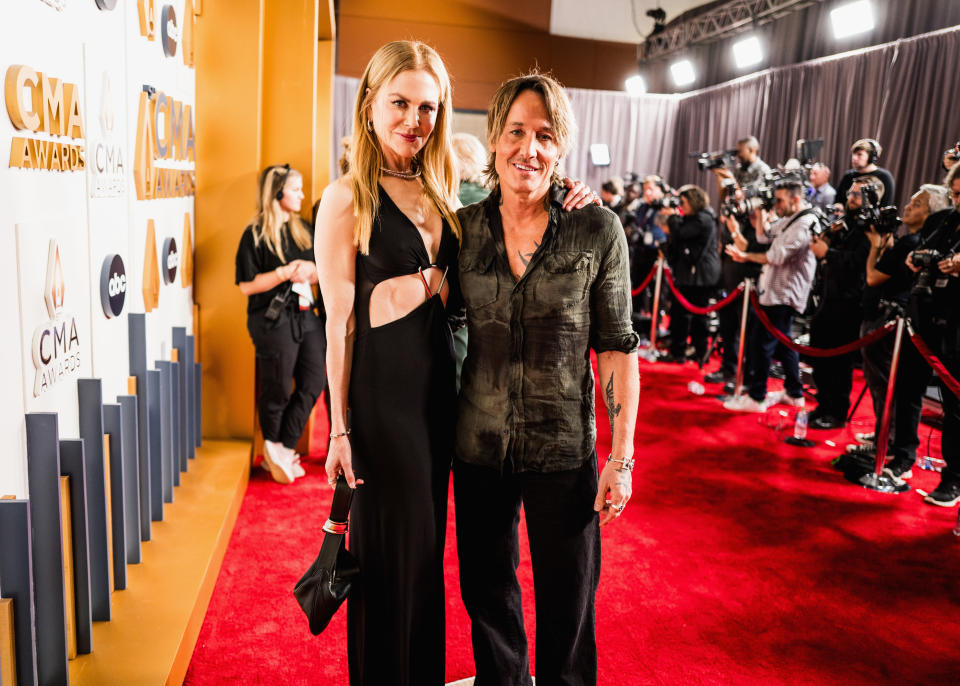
693,255
276,270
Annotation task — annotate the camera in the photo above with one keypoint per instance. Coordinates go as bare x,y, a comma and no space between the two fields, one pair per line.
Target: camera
716,160
883,219
757,195
669,201
926,261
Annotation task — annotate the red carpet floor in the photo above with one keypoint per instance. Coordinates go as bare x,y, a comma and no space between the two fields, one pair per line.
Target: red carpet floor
740,560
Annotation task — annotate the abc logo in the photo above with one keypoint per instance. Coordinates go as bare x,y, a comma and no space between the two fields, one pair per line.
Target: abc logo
170,260
113,286
117,285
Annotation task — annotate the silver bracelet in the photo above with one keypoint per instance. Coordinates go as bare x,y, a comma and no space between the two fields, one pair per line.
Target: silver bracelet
341,434
626,463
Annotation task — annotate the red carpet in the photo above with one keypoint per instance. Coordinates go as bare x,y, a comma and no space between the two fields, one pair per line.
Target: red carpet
740,560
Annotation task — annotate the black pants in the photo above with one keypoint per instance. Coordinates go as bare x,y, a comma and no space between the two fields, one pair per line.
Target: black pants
282,359
876,373
763,346
730,337
944,341
565,550
835,323
913,376
683,323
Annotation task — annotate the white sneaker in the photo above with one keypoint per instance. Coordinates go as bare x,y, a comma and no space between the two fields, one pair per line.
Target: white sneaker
781,398
744,403
298,469
280,466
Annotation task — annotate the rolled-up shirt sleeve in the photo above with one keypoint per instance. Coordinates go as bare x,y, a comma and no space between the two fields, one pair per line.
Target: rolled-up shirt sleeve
611,327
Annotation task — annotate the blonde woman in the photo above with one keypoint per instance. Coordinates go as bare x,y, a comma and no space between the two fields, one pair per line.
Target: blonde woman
275,267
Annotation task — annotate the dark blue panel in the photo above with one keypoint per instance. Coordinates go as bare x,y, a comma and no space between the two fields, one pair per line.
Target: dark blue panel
192,428
131,476
90,397
72,464
180,343
16,581
198,403
43,477
176,404
166,447
113,427
156,445
137,324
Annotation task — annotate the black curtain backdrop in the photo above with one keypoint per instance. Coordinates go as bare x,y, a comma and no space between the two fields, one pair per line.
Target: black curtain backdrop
805,35
905,94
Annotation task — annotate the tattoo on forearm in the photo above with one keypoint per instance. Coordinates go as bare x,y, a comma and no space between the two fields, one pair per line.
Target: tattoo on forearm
613,410
526,257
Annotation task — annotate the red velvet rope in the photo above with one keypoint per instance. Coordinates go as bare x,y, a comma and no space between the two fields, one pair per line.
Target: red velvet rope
646,282
687,305
871,337
935,363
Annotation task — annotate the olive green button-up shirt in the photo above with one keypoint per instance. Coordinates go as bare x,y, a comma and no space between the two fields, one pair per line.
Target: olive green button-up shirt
527,387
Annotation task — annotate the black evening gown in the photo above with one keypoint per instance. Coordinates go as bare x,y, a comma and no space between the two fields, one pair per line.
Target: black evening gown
402,413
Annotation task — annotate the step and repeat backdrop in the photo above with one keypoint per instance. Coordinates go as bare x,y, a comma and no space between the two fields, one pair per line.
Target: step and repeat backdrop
97,176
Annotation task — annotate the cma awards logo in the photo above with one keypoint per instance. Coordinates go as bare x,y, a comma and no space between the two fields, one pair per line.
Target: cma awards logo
56,343
107,171
113,286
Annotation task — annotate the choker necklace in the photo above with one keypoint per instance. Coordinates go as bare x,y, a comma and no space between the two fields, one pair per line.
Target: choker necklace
407,175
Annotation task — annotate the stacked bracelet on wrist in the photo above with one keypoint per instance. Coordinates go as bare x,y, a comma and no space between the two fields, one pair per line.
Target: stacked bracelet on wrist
626,463
340,434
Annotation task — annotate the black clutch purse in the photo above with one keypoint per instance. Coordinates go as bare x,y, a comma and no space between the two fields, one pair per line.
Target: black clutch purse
335,572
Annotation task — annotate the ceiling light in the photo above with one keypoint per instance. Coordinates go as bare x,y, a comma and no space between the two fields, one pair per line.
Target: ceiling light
635,85
747,52
852,18
682,73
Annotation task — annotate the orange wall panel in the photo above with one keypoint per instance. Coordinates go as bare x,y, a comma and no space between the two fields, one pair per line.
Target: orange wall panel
482,47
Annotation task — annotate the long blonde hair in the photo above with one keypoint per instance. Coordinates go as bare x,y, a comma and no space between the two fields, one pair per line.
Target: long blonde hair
268,222
435,159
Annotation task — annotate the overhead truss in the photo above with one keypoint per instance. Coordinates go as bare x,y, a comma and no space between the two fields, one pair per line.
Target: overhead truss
728,18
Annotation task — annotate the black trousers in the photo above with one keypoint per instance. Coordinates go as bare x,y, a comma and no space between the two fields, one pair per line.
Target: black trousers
836,323
683,323
876,373
763,346
944,341
565,550
913,376
730,338
283,358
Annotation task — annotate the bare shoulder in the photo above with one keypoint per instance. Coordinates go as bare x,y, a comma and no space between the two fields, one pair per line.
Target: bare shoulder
337,197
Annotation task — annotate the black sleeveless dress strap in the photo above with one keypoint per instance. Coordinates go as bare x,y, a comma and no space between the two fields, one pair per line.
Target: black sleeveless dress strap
402,405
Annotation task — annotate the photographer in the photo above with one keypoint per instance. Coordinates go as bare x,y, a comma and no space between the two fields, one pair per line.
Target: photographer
645,235
935,313
751,170
842,253
822,194
785,280
863,158
693,259
611,193
887,292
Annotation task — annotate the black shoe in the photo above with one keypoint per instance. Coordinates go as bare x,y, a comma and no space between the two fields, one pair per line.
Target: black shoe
899,469
947,494
824,422
717,377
